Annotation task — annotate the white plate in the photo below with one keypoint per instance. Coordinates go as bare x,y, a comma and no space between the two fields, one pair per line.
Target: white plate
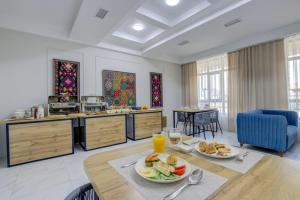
234,152
140,165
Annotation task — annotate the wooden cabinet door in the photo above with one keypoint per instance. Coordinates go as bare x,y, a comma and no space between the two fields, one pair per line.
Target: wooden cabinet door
105,131
147,124
34,141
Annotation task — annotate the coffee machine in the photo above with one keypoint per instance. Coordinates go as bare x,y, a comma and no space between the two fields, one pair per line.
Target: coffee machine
93,104
63,104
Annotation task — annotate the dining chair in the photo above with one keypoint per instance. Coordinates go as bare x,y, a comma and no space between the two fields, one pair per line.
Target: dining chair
214,117
203,123
185,119
84,192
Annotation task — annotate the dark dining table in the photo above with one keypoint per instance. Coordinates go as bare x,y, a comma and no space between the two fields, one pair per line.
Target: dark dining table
191,112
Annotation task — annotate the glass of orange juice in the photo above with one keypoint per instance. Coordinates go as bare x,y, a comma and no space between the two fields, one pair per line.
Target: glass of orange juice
159,143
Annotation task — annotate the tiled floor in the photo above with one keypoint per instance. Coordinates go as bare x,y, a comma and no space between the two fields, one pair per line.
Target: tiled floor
57,177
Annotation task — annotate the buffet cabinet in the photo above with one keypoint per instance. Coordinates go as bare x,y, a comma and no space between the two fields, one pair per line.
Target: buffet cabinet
102,131
38,139
33,141
143,125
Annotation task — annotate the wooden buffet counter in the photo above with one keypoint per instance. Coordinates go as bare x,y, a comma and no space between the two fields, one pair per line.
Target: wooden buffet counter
32,140
142,124
38,139
103,130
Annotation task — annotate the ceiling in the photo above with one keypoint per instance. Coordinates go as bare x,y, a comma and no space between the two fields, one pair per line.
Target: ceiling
197,23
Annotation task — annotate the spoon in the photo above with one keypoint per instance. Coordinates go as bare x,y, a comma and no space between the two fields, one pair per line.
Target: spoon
194,179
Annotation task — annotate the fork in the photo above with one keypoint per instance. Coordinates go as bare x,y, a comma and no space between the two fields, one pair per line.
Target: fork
129,164
242,156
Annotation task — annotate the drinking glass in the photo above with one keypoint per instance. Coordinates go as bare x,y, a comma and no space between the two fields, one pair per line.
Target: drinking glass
159,143
175,136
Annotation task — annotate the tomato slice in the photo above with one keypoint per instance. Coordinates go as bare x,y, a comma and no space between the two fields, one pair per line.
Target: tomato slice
180,167
152,156
179,172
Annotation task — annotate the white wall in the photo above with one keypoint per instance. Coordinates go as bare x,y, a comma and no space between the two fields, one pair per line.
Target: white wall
26,71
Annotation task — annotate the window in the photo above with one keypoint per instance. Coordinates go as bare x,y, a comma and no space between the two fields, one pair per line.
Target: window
212,82
293,58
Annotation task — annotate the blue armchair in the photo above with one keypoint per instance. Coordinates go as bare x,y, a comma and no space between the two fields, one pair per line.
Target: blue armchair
271,129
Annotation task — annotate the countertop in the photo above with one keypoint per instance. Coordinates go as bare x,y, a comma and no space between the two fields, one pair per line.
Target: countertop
77,115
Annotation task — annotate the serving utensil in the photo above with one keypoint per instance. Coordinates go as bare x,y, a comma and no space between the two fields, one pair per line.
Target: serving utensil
129,164
241,156
190,143
194,179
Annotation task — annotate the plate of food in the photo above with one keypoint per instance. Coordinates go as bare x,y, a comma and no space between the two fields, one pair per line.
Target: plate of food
216,150
162,168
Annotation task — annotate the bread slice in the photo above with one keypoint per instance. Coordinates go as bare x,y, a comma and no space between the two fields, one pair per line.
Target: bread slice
164,168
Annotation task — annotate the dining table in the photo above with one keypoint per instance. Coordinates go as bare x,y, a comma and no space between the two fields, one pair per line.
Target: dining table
271,178
191,112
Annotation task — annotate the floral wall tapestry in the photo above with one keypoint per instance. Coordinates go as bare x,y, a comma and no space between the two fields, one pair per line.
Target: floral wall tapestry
156,89
66,77
119,88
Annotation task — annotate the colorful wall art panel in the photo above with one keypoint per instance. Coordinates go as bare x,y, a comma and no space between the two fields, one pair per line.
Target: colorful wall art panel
119,88
66,77
156,89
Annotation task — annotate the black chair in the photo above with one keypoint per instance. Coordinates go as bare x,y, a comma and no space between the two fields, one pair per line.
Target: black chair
214,117
203,123
184,118
85,192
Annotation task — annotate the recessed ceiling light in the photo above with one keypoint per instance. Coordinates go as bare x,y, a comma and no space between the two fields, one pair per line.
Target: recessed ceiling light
172,2
138,27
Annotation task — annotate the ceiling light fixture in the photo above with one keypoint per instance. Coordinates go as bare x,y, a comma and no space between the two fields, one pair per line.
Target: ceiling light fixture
138,27
172,2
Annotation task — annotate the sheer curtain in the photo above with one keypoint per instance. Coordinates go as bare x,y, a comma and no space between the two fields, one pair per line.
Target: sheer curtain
212,85
292,45
189,84
257,79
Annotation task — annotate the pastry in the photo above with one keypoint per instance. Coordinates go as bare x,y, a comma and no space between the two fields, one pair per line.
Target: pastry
172,160
203,146
211,149
224,150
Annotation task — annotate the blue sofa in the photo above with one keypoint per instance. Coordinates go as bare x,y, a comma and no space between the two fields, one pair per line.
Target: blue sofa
271,129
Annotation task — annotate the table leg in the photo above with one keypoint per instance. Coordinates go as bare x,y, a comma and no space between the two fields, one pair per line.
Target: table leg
193,124
174,119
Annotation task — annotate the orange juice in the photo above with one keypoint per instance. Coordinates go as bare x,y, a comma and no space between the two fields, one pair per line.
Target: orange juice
159,143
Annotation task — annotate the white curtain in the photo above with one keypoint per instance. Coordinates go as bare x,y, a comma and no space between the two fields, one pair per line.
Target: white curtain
257,79
292,47
213,85
189,84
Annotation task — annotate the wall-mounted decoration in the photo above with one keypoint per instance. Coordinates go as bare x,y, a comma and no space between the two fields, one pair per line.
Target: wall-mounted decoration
119,88
156,89
66,78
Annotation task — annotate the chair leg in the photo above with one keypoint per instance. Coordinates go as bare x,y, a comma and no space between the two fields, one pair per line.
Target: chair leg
218,123
212,130
184,127
280,153
204,131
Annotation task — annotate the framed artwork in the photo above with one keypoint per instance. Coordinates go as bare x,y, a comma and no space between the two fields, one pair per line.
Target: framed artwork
119,88
66,78
156,89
